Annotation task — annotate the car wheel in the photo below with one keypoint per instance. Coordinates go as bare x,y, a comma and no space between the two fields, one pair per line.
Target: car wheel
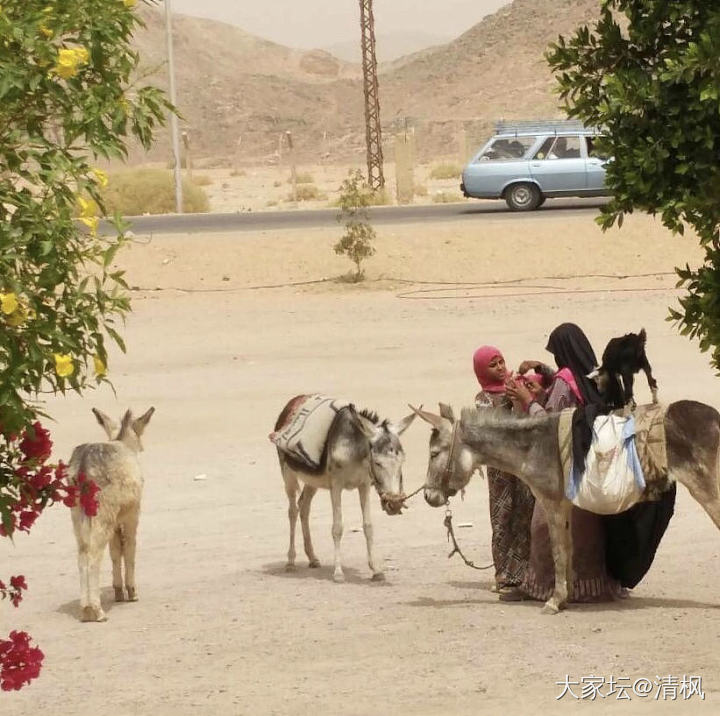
523,197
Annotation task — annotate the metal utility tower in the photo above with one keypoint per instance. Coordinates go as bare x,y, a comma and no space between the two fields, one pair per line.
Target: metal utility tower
373,135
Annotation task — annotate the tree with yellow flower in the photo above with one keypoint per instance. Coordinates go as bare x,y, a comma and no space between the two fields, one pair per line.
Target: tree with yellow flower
65,70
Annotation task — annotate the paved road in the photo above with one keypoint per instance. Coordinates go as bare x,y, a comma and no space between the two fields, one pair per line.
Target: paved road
298,218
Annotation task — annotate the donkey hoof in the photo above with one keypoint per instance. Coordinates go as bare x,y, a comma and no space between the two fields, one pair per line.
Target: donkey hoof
132,594
338,577
314,563
290,567
550,609
119,594
92,614
378,577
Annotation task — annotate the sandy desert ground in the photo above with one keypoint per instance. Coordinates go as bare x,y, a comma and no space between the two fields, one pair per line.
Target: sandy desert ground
225,329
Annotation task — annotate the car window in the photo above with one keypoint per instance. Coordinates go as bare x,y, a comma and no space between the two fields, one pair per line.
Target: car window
560,148
593,150
544,150
507,148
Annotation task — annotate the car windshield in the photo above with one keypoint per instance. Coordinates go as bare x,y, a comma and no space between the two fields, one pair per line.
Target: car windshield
507,148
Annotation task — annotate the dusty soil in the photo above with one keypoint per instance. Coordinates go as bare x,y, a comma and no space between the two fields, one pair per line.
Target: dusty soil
220,627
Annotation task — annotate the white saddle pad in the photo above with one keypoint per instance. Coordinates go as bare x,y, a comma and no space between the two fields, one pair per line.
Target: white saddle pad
304,434
613,480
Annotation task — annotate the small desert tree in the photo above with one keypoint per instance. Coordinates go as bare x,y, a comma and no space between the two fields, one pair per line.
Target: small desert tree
66,98
356,243
648,74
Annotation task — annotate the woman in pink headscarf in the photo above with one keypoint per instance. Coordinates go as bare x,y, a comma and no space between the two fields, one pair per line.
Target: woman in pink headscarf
511,502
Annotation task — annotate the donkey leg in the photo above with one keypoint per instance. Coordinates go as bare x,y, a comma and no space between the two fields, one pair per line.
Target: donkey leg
99,538
291,488
364,494
337,528
129,542
304,502
558,517
116,551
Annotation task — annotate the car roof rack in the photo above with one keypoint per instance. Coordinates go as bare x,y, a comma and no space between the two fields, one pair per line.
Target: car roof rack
544,126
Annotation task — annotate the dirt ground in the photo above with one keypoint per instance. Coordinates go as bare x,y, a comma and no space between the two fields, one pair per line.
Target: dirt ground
221,628
268,187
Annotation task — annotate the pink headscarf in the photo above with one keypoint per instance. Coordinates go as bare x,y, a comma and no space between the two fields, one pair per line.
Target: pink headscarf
481,361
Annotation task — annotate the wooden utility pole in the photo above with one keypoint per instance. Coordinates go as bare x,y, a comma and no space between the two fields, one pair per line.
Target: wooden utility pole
373,134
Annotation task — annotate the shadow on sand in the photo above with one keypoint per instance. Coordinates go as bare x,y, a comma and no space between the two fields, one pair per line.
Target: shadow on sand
324,573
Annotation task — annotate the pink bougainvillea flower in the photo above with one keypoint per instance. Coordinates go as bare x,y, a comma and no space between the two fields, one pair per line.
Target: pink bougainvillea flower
19,662
88,490
36,443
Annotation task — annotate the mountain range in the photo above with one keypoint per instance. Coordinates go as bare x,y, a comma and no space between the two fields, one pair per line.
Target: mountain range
238,94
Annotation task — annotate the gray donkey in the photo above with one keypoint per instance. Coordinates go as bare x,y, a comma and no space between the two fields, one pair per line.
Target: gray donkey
115,468
529,448
361,452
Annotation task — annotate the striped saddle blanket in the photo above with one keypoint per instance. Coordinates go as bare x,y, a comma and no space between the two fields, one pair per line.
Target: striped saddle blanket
304,434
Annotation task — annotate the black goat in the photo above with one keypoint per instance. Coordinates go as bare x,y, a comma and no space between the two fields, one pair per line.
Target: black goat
621,359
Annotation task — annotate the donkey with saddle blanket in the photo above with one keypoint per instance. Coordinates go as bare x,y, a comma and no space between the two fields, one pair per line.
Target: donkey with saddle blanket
326,443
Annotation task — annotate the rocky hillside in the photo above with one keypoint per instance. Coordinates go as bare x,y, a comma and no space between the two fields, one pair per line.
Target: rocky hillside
238,93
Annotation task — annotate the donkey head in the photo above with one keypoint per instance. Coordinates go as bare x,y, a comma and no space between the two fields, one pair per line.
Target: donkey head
386,459
447,469
130,430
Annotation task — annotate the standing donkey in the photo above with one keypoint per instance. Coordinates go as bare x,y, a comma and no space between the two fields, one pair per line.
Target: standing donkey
529,448
360,452
115,468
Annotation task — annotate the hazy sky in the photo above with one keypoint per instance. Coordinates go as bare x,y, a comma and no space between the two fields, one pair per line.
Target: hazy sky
319,23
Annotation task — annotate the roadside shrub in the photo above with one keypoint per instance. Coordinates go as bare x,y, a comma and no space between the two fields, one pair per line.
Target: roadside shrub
420,190
357,241
307,192
302,178
201,180
446,170
150,191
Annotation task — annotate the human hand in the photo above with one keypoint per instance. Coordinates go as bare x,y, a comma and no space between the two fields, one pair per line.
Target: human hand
518,392
527,365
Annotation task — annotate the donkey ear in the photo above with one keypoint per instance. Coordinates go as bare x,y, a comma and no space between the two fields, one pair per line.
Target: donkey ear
404,424
364,424
434,420
107,423
447,412
140,424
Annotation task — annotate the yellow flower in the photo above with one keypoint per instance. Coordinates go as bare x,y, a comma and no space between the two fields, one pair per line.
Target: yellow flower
101,176
17,318
130,3
45,30
9,303
87,207
63,364
92,223
100,367
69,61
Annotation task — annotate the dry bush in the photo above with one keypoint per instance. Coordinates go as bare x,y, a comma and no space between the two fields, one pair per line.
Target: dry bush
420,190
302,178
150,191
446,170
381,197
445,197
276,184
237,173
202,180
307,192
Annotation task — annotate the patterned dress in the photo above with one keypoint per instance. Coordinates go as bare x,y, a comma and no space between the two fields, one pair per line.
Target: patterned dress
592,582
511,509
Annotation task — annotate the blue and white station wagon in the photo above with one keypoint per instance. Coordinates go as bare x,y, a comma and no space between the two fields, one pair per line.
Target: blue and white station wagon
528,162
